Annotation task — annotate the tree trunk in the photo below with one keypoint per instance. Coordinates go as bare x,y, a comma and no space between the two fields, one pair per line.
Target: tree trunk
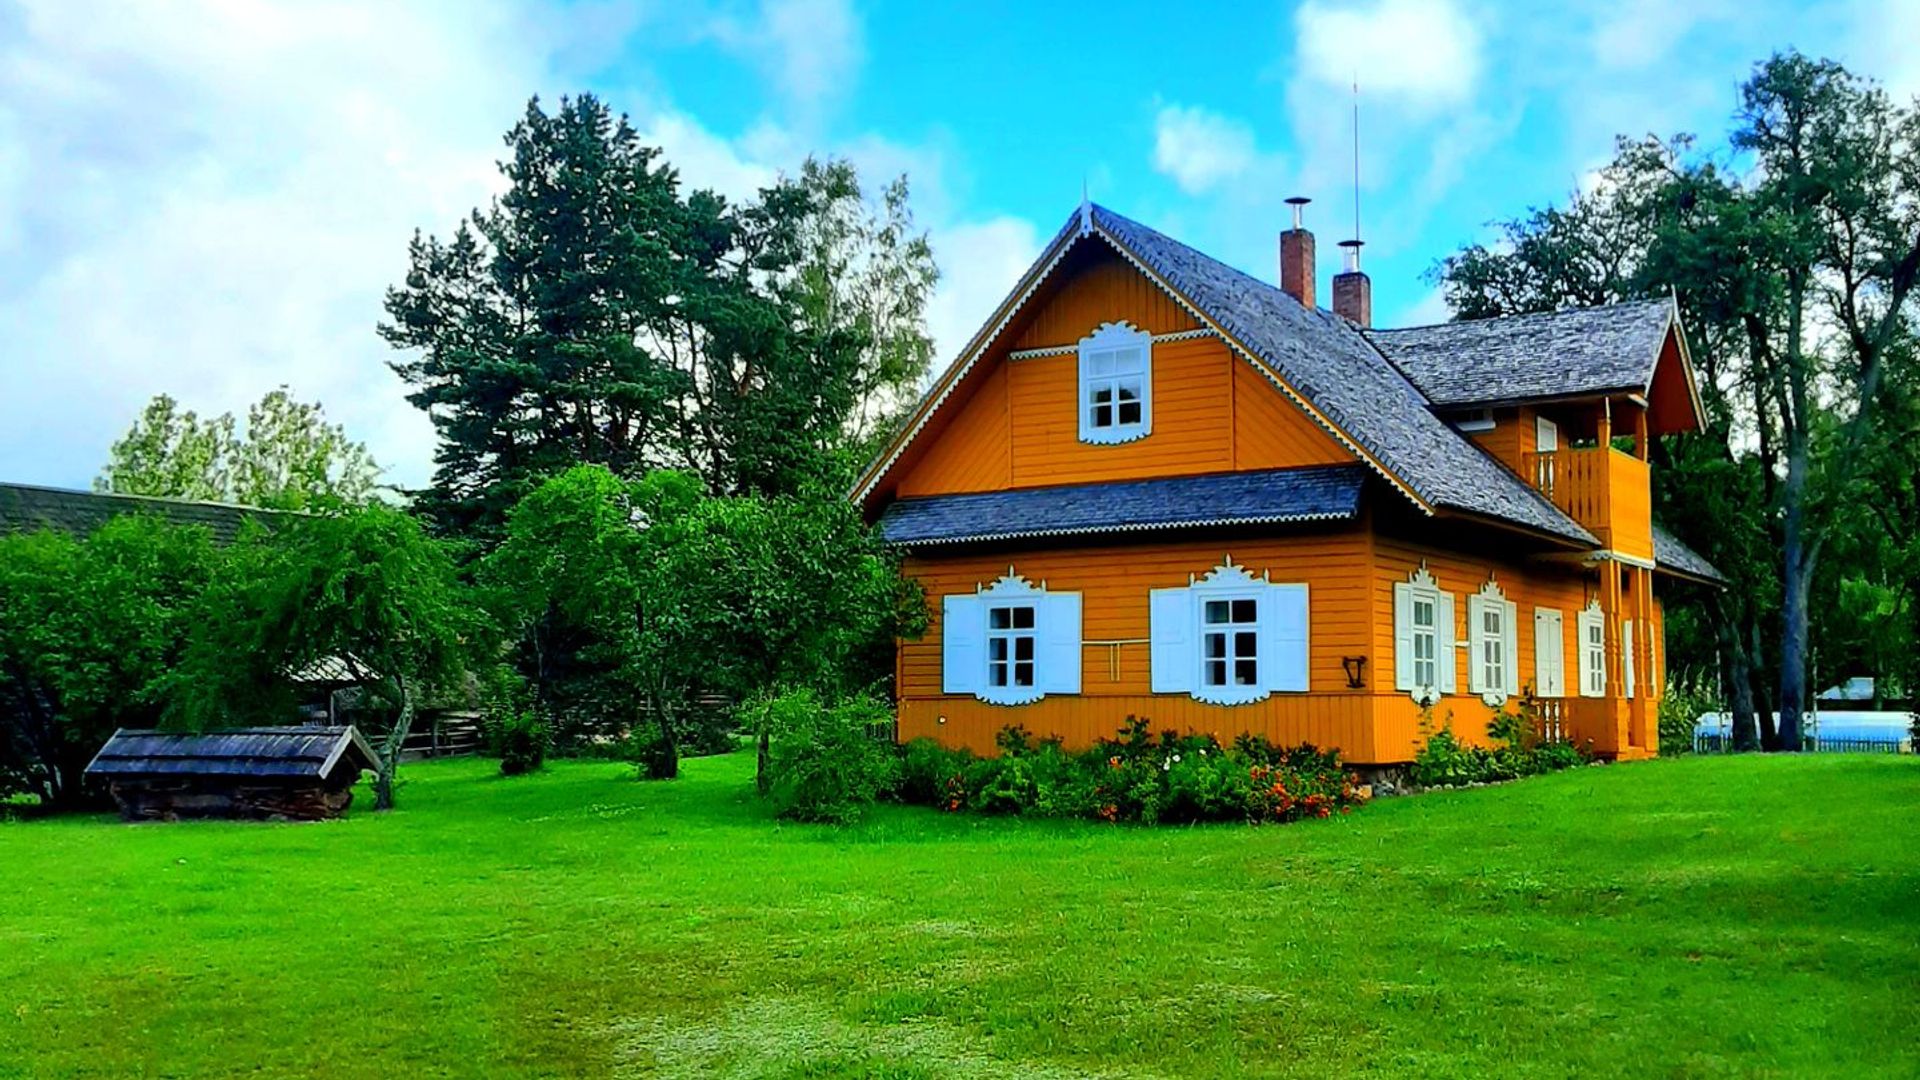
1796,576
761,780
1738,672
389,749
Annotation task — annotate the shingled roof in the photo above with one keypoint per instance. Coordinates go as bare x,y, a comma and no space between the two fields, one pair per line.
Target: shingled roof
1317,493
26,507
1609,349
1671,555
1331,364
276,753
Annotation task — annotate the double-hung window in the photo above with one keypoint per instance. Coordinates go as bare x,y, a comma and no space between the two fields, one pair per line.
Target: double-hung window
1116,384
1228,638
1011,642
1230,643
1493,674
1593,651
1423,659
1010,645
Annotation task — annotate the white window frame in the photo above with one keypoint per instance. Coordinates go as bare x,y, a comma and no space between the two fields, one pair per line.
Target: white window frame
1178,630
968,634
1590,624
1229,691
1116,343
1493,660
1426,687
1004,646
1626,656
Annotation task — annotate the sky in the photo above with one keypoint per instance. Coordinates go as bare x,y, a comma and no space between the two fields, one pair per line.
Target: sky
208,198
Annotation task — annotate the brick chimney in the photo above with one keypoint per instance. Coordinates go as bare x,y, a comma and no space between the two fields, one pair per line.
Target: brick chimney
1296,257
1352,290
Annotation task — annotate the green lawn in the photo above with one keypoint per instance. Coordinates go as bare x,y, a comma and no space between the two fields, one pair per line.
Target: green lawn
1683,918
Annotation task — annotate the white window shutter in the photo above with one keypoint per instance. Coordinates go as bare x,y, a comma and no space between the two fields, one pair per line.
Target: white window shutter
963,635
1171,632
1446,654
1284,652
1626,654
1476,651
1403,636
1510,643
1593,666
1549,654
1060,644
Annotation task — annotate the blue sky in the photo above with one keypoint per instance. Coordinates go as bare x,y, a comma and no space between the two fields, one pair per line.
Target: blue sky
207,197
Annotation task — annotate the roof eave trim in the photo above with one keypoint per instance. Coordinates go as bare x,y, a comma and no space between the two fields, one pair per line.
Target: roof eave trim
1589,545
1149,526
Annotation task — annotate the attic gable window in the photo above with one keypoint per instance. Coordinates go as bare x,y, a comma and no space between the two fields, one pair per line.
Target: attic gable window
1116,384
1011,642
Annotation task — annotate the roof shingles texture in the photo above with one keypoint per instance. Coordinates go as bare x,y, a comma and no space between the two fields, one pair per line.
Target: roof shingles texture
1670,553
25,508
1581,351
276,753
1319,493
1336,368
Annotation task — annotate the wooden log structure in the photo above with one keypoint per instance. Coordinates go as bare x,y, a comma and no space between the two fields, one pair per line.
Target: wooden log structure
291,773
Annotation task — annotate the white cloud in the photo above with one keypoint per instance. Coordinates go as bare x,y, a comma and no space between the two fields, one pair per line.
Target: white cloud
810,50
980,263
1199,149
209,199
1424,52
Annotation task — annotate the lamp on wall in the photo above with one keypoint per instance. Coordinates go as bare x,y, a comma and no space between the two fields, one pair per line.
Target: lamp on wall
1356,669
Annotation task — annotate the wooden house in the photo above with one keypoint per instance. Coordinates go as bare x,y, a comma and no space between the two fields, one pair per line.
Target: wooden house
300,773
1155,485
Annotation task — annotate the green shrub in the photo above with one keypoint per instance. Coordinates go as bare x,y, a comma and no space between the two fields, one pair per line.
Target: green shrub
823,764
522,741
1443,760
1140,776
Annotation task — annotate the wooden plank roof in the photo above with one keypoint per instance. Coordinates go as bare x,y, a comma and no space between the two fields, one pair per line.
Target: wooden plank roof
267,753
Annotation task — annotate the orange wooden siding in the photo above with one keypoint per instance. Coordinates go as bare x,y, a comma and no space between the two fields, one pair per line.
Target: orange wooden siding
1270,431
1115,668
1019,423
972,453
1558,586
1095,291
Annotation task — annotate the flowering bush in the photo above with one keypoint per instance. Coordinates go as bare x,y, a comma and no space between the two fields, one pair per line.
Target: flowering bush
1519,749
1138,777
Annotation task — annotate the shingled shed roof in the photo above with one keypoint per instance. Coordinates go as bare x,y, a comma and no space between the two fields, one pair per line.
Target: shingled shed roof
1331,364
278,753
1319,493
1671,555
26,507
1580,352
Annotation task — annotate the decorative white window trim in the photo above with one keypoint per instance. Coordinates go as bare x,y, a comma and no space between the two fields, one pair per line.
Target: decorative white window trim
1180,635
1051,636
1116,376
1492,667
1425,673
1591,625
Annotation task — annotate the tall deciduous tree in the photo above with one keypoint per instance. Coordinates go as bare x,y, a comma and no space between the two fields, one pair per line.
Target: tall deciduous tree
90,631
368,589
287,458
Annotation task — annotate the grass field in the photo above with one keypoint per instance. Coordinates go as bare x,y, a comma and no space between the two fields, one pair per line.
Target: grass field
1700,917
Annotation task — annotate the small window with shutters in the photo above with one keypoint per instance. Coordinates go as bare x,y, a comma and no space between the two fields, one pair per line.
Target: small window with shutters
1116,384
1491,640
1423,660
1011,642
1593,651
1229,638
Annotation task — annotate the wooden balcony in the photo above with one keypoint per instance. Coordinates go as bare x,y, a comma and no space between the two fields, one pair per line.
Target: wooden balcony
1607,491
